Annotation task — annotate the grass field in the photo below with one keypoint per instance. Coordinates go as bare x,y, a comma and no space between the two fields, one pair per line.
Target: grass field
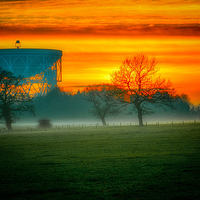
137,163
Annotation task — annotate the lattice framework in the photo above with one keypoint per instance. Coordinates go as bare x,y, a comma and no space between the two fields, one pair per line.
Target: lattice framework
40,72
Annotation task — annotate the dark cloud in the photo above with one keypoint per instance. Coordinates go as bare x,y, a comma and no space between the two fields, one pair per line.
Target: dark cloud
120,29
12,0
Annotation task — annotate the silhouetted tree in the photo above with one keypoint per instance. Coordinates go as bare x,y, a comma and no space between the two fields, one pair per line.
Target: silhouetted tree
138,77
50,104
58,105
44,123
105,101
183,106
195,110
13,100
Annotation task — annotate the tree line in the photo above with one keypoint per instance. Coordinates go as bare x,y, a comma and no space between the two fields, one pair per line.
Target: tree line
102,105
136,88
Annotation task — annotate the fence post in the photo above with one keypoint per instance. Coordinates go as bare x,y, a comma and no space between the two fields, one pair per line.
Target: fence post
172,122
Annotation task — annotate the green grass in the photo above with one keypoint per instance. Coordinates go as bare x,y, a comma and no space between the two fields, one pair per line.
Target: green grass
152,162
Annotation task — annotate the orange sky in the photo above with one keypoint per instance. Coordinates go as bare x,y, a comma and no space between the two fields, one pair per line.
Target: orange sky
96,36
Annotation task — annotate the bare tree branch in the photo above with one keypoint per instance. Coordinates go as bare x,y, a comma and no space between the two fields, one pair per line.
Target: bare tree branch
13,101
105,99
137,76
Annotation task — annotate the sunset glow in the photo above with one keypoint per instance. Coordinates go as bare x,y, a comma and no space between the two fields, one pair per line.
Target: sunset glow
96,36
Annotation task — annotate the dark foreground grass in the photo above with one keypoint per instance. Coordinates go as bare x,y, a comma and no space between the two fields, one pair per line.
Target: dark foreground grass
153,162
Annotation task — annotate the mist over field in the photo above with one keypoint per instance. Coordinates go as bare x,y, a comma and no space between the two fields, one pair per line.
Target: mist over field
65,109
111,121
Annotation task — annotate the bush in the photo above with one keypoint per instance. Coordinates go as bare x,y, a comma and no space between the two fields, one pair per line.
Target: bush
44,123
